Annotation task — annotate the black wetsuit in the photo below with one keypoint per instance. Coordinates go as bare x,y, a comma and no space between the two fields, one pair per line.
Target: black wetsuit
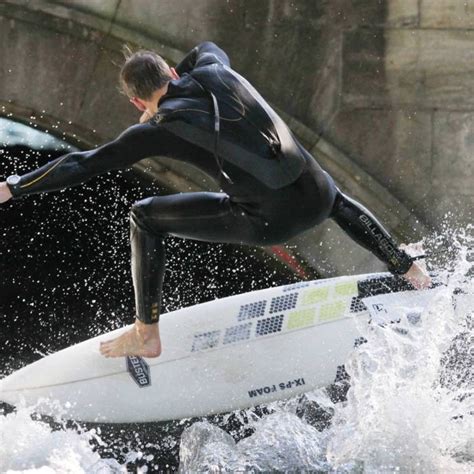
272,188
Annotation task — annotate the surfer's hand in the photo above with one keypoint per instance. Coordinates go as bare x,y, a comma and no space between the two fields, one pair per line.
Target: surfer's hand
5,194
418,274
146,115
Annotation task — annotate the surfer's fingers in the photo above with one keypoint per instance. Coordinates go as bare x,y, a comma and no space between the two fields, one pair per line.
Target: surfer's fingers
5,193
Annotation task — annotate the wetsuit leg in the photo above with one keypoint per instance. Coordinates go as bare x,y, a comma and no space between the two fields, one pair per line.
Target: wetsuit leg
364,228
202,216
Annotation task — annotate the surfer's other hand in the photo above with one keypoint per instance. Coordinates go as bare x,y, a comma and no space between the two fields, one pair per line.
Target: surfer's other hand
146,115
5,194
418,274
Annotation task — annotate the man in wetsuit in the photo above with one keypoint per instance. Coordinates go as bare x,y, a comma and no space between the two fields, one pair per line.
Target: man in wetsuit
207,115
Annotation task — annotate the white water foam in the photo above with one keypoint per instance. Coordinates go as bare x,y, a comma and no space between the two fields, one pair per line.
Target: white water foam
281,442
410,407
28,445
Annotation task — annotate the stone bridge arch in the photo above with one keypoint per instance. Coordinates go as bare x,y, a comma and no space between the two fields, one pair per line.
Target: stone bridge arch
357,84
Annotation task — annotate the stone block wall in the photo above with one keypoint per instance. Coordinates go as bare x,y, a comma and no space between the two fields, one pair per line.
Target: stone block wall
407,104
381,92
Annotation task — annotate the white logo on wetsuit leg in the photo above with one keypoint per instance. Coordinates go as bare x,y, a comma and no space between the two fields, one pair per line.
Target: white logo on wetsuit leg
384,243
139,371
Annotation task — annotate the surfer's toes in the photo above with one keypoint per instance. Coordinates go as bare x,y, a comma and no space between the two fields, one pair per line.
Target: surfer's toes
105,348
111,349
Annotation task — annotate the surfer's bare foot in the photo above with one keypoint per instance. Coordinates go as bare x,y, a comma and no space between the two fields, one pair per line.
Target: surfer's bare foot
418,274
143,340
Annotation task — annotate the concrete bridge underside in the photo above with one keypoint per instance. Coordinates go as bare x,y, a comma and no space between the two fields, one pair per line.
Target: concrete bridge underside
380,92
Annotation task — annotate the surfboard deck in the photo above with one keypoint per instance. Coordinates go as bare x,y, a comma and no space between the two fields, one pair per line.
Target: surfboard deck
217,357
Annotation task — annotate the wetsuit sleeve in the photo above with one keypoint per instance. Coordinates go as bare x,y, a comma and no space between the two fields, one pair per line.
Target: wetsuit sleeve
134,144
203,54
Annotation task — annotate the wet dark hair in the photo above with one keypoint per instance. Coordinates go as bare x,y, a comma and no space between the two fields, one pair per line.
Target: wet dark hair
143,73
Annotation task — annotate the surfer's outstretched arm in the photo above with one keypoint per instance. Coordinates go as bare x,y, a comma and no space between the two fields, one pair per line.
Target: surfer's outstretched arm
134,144
360,224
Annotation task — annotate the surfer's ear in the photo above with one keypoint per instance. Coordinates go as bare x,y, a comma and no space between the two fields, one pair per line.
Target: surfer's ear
174,74
138,103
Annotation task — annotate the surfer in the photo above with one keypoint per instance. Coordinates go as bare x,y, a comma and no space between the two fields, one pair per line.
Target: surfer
203,113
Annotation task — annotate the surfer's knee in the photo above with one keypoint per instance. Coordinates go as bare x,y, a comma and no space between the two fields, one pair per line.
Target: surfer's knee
140,213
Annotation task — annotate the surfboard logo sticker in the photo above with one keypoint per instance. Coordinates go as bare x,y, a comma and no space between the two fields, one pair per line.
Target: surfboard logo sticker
277,387
139,370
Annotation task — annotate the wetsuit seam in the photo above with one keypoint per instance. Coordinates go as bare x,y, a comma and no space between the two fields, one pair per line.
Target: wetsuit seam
39,178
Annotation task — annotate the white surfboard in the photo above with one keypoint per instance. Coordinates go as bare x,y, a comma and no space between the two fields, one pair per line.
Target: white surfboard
217,356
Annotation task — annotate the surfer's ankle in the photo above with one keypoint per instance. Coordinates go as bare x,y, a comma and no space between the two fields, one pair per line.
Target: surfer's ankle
149,337
146,331
151,350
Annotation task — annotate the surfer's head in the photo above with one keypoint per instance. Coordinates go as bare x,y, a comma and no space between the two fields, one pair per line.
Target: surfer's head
143,73
144,78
